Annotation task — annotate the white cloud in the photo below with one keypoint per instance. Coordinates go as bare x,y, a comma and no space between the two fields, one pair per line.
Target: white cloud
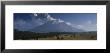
50,18
68,23
80,26
35,14
87,27
59,20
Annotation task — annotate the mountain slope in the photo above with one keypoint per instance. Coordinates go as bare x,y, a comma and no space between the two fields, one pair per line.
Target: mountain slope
52,26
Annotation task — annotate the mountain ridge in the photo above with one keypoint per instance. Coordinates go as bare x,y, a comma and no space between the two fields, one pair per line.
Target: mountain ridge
55,27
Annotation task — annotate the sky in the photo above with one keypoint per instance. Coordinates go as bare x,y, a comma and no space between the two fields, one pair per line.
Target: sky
85,21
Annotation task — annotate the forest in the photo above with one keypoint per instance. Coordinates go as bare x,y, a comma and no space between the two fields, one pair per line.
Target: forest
27,35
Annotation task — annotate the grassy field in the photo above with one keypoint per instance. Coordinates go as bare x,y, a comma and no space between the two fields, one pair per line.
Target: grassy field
70,37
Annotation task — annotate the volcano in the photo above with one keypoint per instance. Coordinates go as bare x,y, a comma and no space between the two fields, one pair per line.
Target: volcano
55,26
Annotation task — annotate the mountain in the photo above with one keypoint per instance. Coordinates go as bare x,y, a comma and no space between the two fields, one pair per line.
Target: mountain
55,26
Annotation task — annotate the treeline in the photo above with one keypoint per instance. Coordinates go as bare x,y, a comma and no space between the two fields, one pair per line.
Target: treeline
27,35
23,34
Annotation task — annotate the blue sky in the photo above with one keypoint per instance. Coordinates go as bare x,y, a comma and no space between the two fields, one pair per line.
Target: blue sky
76,18
85,21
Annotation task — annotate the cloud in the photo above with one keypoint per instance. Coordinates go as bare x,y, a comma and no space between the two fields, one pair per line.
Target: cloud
59,20
80,26
89,22
37,20
50,18
87,27
35,14
68,23
47,17
43,16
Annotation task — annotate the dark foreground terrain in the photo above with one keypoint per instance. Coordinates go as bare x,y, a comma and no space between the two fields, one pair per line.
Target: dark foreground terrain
26,35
